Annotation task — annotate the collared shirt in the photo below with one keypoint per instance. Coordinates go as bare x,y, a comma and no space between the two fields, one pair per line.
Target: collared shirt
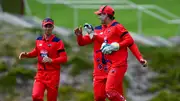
53,47
113,32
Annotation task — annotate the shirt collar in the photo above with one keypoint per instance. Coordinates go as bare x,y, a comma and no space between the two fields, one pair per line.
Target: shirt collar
105,26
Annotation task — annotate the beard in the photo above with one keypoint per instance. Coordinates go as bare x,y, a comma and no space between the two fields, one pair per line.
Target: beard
102,21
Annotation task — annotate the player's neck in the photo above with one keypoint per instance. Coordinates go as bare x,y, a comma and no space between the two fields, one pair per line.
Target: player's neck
47,36
108,22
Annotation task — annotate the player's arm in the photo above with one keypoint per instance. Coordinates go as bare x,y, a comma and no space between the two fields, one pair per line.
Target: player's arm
62,54
134,49
129,42
32,54
82,40
126,38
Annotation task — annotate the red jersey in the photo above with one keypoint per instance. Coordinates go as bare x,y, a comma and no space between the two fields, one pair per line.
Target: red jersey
53,48
113,32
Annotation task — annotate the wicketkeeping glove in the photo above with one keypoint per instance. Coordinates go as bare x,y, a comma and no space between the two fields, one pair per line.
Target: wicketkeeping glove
89,29
109,48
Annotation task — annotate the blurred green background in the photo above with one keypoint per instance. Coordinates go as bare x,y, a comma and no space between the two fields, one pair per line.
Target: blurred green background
63,15
16,77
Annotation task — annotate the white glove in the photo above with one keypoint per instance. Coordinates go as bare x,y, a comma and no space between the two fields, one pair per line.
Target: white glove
89,29
109,48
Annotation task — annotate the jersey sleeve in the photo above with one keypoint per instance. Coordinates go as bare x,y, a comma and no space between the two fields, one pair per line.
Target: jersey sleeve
134,49
61,53
83,40
126,39
33,53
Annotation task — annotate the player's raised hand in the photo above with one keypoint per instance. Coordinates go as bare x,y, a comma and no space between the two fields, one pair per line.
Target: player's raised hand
78,31
88,28
144,62
22,55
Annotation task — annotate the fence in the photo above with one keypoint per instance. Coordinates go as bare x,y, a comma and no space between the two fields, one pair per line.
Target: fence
117,4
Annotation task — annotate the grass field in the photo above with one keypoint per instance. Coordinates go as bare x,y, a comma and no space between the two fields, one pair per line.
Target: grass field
63,16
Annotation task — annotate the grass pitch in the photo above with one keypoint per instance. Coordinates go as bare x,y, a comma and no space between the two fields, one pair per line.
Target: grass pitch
63,16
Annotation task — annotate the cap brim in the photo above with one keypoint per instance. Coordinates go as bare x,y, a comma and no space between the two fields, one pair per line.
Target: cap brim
46,23
97,12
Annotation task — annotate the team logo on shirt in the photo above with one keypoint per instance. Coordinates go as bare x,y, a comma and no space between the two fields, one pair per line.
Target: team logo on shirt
40,44
43,53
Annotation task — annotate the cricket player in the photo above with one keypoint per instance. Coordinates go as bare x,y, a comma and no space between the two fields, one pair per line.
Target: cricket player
111,42
50,53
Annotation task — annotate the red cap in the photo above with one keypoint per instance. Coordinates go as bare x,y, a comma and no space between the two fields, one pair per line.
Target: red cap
106,9
47,21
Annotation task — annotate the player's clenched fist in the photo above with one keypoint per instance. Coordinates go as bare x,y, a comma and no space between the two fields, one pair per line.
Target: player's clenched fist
78,31
22,55
144,62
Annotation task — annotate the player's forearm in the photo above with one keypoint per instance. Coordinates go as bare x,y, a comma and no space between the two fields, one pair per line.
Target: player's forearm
32,54
134,49
127,41
79,40
61,59
83,40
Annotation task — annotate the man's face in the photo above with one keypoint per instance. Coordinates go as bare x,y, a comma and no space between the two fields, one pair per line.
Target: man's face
48,29
102,18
